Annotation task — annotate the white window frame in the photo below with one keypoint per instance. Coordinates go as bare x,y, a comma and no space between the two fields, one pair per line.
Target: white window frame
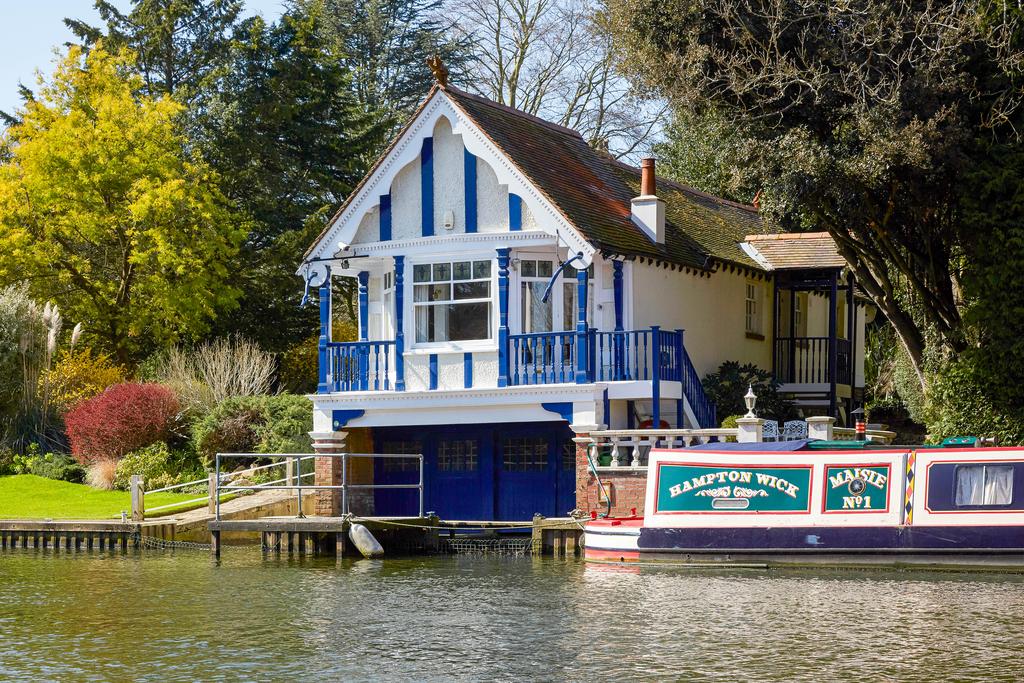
568,275
413,346
753,320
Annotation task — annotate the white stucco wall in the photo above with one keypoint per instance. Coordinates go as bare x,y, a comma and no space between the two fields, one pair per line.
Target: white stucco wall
492,200
405,203
369,227
449,179
710,309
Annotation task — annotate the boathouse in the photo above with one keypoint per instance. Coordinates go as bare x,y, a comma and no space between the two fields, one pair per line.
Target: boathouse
518,289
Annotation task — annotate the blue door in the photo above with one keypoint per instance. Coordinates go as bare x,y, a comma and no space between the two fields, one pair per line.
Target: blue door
479,472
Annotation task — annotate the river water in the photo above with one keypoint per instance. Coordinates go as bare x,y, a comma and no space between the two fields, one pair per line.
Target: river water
184,617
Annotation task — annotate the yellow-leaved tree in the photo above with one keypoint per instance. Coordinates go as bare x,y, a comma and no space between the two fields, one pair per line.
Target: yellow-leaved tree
104,210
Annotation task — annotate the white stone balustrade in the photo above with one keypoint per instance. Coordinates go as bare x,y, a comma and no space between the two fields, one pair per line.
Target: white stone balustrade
631,447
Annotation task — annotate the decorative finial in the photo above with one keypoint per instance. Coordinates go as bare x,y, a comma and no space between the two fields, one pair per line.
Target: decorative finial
439,70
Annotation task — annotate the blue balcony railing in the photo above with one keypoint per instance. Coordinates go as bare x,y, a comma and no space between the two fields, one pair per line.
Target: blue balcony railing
360,366
651,355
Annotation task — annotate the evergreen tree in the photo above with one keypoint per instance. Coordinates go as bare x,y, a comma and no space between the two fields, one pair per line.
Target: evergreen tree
178,43
290,141
385,45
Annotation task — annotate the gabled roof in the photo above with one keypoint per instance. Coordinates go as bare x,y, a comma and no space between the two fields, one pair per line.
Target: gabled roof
594,192
797,250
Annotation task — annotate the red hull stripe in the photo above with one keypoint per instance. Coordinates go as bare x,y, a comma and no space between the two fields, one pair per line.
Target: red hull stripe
616,555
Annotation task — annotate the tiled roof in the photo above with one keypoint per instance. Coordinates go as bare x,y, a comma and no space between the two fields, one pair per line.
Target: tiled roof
797,250
593,191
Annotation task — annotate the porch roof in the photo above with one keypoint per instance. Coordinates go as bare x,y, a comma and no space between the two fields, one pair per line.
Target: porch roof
797,250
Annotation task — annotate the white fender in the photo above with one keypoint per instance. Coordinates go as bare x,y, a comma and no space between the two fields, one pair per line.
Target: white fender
364,541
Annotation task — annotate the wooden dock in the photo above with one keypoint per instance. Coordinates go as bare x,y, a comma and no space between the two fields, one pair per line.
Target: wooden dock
557,536
329,535
80,534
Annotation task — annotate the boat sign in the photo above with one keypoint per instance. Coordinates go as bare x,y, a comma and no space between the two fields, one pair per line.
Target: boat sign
733,488
856,488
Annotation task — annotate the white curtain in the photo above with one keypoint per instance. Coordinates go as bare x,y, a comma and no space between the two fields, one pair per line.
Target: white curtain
970,485
998,485
984,485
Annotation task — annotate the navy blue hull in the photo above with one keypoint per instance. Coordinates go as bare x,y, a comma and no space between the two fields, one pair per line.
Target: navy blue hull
947,539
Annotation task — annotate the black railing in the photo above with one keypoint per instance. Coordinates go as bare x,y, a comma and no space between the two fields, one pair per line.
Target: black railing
805,360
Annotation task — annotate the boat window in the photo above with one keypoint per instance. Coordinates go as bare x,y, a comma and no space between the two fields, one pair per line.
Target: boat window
984,485
457,455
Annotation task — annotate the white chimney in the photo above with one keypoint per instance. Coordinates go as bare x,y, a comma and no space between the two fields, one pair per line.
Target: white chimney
647,210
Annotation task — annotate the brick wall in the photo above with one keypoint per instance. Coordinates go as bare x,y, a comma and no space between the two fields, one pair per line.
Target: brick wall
328,472
627,487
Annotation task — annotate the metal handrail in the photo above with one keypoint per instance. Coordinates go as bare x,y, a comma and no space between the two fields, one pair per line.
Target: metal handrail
298,486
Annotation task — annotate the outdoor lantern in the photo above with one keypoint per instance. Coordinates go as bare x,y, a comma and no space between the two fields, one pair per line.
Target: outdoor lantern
750,398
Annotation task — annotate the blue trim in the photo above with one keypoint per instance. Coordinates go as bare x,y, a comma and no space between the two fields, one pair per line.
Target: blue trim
840,539
385,218
323,386
467,369
364,304
606,405
433,371
581,327
680,414
469,165
503,260
515,212
340,418
630,415
617,287
399,323
427,187
562,409
655,377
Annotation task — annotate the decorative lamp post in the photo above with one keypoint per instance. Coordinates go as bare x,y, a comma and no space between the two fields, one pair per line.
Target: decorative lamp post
750,398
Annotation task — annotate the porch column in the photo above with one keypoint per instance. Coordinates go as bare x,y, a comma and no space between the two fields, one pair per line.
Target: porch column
618,348
399,323
328,472
851,336
324,382
364,325
503,260
833,345
581,326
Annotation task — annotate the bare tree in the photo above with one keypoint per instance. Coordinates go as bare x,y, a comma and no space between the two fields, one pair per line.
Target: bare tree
554,59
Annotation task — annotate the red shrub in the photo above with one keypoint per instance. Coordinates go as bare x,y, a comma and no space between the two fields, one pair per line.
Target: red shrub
122,419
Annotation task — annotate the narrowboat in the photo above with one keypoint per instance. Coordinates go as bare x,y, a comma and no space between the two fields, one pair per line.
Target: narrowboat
757,505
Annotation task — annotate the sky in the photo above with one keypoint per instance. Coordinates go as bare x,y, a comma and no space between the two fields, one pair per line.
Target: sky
31,29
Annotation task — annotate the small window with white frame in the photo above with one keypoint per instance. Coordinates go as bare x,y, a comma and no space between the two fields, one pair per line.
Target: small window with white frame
983,485
752,312
452,301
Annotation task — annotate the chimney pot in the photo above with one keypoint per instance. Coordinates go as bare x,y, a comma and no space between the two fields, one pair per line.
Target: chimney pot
647,210
648,180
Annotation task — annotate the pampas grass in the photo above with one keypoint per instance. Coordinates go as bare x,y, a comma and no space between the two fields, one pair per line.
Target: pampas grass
101,474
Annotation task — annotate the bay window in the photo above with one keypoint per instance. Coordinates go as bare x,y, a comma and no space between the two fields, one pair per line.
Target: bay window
452,301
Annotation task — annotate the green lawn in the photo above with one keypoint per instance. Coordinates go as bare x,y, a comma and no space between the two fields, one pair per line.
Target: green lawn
26,496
